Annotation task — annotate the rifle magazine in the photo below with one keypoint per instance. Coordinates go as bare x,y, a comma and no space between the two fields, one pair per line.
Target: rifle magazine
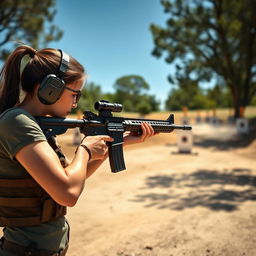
116,157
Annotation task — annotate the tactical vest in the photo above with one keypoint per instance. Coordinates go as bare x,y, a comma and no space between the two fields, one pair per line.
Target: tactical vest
23,202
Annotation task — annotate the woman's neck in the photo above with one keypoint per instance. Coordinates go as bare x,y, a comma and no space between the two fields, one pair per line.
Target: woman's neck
32,106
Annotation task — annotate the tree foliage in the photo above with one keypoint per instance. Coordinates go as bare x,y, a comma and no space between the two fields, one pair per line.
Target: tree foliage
28,21
90,94
194,97
133,98
211,39
131,91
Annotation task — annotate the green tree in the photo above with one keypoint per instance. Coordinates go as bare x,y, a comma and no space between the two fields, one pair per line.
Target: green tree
146,104
190,94
211,39
90,94
153,102
253,103
28,21
144,108
221,96
131,91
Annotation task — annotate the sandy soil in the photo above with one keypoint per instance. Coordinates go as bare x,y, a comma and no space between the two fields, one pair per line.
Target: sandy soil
171,204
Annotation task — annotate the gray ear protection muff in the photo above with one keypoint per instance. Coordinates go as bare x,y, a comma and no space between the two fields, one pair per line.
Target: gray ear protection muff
52,85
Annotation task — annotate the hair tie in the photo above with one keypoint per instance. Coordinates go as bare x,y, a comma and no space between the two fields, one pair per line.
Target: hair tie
33,53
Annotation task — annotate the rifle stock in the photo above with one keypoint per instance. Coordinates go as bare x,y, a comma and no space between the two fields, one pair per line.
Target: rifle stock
105,124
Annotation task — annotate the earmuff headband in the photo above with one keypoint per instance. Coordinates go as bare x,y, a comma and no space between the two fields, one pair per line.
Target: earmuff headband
64,61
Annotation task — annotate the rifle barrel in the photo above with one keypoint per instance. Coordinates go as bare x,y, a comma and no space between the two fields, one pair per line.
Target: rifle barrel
158,126
182,127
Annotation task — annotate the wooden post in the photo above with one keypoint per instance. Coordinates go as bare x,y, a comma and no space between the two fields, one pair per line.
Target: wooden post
185,119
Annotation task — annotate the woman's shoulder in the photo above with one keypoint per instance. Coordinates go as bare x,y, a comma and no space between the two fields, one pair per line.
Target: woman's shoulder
16,117
12,112
18,128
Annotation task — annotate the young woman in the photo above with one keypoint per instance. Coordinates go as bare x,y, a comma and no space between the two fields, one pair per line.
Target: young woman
36,182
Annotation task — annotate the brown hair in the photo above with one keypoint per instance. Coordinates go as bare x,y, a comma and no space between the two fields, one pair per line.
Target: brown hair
42,63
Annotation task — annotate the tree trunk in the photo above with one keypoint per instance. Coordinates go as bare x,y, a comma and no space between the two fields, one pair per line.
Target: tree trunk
236,100
236,111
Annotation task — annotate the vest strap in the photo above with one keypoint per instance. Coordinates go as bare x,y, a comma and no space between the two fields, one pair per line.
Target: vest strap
18,183
20,202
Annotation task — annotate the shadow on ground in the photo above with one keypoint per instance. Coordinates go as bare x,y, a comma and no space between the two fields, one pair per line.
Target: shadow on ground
212,189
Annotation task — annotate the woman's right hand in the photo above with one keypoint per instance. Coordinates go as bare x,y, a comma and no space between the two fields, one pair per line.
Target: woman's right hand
97,145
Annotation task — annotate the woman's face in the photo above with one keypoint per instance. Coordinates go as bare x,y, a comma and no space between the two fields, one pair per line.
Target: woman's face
68,99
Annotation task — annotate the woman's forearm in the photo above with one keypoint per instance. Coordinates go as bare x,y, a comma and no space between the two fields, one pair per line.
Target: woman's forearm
93,165
77,171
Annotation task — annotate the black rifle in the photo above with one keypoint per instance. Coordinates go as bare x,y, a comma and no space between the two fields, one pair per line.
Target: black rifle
106,124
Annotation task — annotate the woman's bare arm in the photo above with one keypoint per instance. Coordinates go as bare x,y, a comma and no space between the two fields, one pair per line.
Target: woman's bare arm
64,185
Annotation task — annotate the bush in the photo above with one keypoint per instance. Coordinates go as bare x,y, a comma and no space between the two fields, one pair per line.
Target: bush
143,108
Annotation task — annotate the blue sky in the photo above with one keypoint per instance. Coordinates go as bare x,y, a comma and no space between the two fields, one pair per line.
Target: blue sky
111,38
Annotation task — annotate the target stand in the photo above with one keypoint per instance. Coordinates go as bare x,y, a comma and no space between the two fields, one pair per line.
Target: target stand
215,121
185,141
198,120
242,126
185,120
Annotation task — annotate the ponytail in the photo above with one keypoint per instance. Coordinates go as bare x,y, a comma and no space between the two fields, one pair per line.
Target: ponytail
10,77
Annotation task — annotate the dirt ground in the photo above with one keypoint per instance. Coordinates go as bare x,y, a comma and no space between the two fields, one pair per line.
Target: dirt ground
171,204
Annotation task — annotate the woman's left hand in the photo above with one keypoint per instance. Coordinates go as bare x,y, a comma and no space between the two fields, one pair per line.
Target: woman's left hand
147,132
